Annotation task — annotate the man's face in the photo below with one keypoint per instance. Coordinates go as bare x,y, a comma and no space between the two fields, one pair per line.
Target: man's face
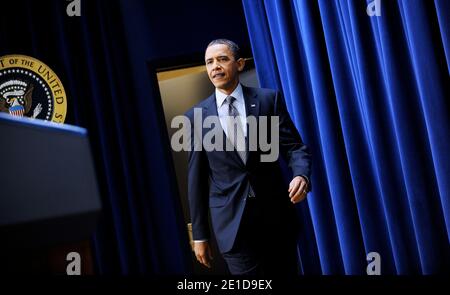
223,70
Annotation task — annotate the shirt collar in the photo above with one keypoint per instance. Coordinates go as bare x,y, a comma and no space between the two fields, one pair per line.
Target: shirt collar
237,93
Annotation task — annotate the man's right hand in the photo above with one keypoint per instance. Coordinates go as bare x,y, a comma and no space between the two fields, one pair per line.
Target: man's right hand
203,253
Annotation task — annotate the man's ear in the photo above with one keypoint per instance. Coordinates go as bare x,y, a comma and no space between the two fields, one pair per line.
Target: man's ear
241,64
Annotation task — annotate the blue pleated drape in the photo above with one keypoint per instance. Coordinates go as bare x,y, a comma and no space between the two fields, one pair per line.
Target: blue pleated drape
103,59
370,95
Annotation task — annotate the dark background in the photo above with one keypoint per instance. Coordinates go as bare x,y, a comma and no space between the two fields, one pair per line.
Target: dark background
107,61
366,93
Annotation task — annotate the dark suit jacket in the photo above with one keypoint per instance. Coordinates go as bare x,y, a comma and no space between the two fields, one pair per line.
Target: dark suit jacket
220,181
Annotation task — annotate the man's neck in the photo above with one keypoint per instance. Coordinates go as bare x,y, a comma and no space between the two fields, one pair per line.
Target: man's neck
229,90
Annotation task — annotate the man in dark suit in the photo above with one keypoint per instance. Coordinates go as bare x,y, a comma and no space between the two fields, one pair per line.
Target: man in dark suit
251,207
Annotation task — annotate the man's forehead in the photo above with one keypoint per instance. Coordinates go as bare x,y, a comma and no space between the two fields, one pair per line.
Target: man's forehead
217,50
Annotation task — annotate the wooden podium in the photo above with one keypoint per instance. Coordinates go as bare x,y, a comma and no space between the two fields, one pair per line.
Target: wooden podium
49,197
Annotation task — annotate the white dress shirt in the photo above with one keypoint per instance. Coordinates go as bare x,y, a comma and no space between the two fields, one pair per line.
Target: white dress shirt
239,104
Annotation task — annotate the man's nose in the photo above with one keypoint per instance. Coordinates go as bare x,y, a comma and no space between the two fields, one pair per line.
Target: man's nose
216,65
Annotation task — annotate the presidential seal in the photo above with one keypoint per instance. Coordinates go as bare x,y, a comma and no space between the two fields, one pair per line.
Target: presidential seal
28,87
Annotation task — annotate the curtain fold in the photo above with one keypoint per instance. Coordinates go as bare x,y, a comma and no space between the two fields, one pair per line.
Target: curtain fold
141,229
370,95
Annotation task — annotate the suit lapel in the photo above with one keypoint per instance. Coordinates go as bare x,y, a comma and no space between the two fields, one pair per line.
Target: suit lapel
211,110
252,109
251,102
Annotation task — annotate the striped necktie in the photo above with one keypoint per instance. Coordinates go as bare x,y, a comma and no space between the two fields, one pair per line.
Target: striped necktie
236,134
235,129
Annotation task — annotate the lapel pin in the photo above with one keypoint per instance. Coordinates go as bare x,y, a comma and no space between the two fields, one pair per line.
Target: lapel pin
253,105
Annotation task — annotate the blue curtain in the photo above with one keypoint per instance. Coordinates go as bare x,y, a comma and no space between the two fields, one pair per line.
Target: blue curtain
370,95
103,59
142,230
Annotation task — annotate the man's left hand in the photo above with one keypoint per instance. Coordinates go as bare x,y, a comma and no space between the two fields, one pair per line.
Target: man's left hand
298,188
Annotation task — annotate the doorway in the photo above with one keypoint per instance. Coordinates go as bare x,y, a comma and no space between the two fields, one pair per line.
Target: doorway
181,88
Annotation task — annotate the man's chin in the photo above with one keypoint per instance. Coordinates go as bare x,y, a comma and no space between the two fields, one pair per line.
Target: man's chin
225,85
220,85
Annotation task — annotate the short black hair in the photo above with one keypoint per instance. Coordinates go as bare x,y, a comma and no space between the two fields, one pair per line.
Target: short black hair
231,45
